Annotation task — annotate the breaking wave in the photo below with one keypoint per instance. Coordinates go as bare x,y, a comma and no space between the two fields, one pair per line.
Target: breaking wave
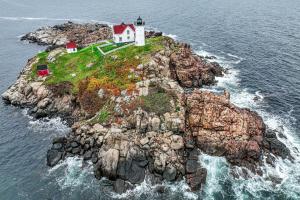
176,190
56,125
73,174
174,37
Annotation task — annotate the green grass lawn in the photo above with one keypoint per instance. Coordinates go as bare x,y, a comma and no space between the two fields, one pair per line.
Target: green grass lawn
113,70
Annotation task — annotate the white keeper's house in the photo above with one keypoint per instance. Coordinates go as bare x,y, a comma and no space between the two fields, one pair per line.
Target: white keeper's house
125,33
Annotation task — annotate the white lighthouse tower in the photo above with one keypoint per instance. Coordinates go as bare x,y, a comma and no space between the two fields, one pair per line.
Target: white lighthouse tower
139,32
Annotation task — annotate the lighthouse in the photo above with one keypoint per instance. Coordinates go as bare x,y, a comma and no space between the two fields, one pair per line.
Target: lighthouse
139,32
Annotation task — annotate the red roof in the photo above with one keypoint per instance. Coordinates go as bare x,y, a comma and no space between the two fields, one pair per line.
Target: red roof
43,72
71,45
119,29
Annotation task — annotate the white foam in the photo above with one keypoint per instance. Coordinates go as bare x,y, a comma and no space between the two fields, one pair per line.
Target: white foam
174,37
74,173
57,125
217,171
178,188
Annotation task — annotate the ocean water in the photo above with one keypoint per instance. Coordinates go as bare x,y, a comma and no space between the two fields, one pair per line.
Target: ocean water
258,41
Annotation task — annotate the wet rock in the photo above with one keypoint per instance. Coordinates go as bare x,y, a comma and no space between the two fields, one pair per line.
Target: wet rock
197,179
94,158
57,146
170,173
191,166
87,155
59,140
76,150
74,144
121,186
160,189
278,148
40,114
270,159
135,173
53,157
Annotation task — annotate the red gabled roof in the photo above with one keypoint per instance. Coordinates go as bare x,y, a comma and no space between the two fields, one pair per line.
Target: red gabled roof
71,45
119,29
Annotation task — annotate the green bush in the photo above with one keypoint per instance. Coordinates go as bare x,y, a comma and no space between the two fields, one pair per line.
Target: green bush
103,116
158,103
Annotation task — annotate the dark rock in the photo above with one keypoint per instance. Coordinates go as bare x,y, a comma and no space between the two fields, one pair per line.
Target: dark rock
94,158
121,171
121,186
217,70
256,98
189,143
193,155
155,178
76,150
87,155
275,180
270,159
81,152
41,114
196,180
150,34
210,57
134,173
191,166
53,157
270,134
74,144
278,148
281,135
86,147
97,170
57,146
170,173
160,189
143,163
69,149
59,140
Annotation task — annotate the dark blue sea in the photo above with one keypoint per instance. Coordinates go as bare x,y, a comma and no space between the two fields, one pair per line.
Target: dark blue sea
257,40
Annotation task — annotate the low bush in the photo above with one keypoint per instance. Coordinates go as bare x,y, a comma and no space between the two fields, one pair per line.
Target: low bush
158,103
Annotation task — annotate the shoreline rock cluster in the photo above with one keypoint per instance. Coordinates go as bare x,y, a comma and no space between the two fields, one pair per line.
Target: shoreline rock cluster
163,142
82,34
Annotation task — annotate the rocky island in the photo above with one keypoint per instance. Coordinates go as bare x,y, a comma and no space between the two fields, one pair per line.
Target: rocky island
138,111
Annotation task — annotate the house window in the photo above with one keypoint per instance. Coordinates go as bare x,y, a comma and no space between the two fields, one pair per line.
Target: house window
128,32
128,37
120,39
